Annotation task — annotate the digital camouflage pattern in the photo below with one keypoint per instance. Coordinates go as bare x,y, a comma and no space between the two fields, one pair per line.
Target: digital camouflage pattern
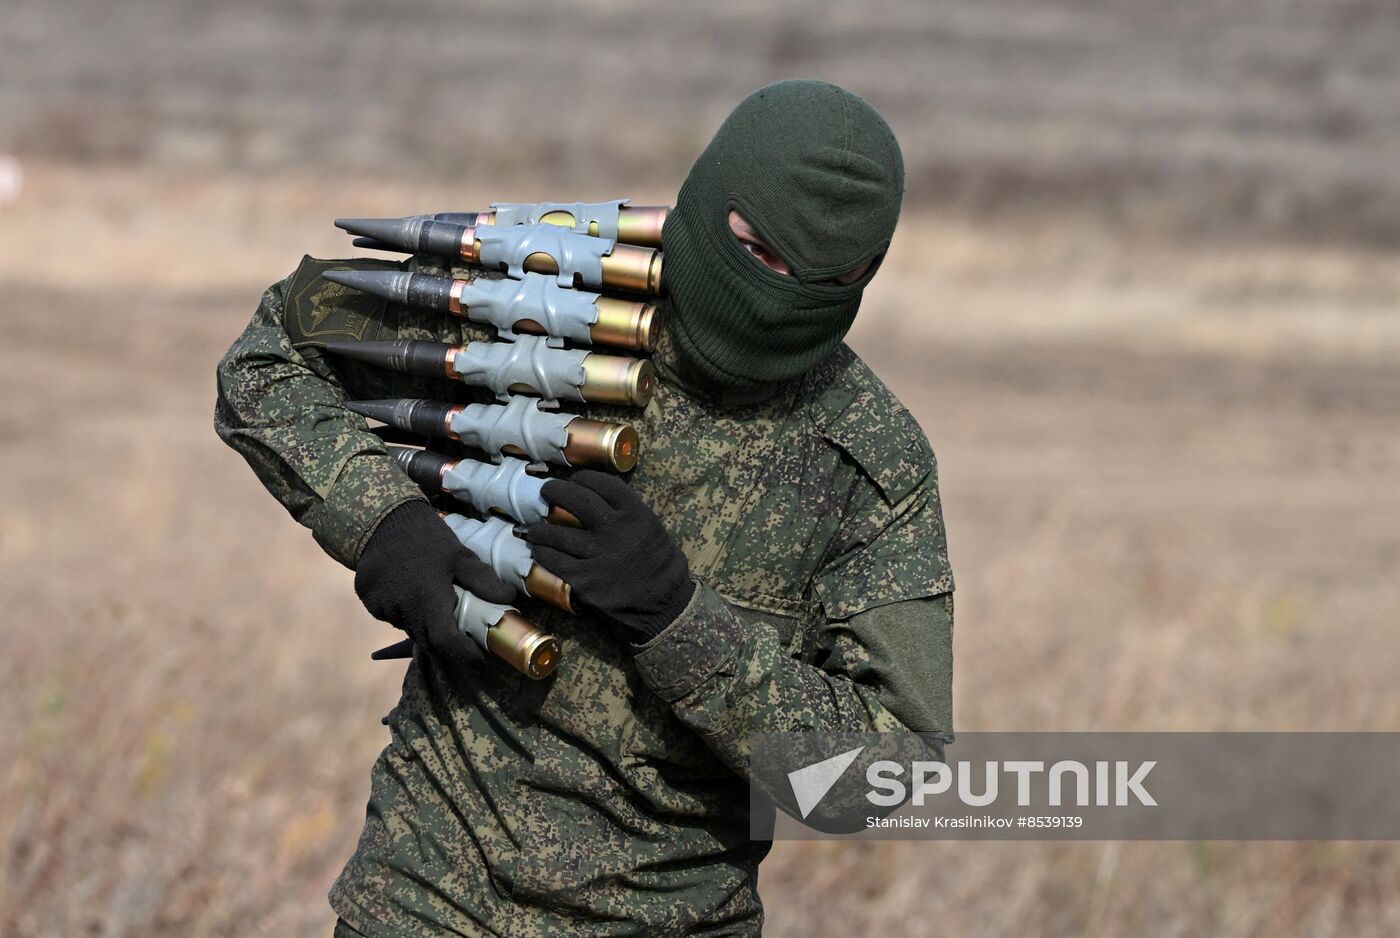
611,798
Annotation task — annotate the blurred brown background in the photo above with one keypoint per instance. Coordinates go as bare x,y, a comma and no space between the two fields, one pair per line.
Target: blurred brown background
1143,299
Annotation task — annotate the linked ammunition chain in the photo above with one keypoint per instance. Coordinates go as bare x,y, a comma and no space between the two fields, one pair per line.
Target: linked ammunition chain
496,428
505,487
561,312
517,428
531,363
545,250
575,255
495,543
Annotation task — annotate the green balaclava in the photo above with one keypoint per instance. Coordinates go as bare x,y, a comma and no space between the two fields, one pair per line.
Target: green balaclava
818,174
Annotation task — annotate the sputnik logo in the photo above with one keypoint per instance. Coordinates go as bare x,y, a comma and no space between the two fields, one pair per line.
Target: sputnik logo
811,783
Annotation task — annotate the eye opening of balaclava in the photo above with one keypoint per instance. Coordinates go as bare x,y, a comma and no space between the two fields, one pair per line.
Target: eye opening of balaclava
818,175
817,279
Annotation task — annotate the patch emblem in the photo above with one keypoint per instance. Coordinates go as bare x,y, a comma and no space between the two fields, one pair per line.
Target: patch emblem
318,311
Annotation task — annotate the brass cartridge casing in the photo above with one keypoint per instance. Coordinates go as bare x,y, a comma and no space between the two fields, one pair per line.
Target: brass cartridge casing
625,323
595,443
602,443
517,642
543,585
626,267
615,379
629,324
642,224
632,268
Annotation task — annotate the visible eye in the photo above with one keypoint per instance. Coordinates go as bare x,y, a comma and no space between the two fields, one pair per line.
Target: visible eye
766,257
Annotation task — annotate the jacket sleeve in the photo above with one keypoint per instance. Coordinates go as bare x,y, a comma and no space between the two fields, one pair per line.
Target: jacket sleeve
282,409
886,646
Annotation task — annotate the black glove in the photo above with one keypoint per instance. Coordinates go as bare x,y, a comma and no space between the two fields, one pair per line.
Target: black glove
621,562
405,578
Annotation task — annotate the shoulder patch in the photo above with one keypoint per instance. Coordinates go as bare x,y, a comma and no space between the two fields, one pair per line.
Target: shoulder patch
317,311
856,412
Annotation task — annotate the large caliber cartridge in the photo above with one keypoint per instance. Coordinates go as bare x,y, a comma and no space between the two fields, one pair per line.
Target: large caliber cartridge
508,635
504,488
501,630
517,428
534,304
573,259
531,365
630,224
494,541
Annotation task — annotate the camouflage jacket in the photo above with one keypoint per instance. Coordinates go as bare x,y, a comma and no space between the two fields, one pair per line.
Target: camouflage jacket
611,797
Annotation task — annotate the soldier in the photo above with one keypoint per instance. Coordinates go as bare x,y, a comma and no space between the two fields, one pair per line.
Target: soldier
776,562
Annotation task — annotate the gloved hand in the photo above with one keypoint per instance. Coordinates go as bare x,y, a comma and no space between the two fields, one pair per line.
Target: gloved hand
621,562
405,578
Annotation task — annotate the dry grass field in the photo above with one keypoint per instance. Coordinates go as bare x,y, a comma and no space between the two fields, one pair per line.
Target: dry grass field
1144,301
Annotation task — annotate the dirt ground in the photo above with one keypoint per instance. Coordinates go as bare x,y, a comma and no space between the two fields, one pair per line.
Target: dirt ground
1143,300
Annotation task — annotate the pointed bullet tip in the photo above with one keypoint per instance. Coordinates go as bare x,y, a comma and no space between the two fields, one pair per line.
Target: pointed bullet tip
385,230
386,411
361,280
363,408
374,244
386,284
415,415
